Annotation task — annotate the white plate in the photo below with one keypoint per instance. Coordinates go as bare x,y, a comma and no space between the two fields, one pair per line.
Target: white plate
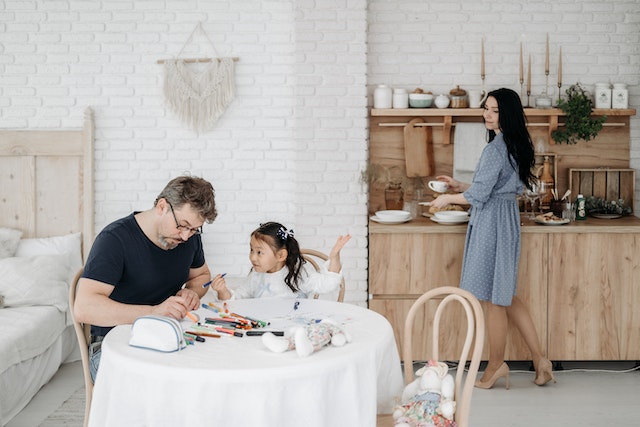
449,221
384,221
560,222
605,216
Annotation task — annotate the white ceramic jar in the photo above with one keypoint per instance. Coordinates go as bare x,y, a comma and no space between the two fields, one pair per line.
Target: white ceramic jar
382,97
400,98
442,101
602,95
620,96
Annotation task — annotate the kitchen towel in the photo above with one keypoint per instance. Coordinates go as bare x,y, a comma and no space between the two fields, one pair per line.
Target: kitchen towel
469,139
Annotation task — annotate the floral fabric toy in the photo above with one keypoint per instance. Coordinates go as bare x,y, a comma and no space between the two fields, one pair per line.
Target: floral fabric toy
308,339
429,399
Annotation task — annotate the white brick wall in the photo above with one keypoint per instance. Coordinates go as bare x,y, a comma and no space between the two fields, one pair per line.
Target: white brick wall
436,46
290,147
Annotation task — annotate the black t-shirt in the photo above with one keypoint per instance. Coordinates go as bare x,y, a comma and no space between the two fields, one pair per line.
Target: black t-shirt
140,271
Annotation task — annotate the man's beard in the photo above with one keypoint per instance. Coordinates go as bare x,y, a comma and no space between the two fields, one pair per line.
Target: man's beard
166,244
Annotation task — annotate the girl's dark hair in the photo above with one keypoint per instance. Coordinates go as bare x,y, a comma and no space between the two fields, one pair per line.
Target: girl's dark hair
513,125
278,237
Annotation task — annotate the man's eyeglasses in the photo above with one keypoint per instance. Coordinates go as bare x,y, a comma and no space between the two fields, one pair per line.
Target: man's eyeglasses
184,227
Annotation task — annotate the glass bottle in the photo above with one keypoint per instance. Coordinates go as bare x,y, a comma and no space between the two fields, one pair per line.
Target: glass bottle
547,178
581,212
394,197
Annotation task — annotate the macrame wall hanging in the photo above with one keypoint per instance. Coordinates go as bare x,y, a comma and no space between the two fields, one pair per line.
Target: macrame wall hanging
199,90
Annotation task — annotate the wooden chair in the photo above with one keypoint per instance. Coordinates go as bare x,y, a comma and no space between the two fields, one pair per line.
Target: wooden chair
83,333
314,258
475,337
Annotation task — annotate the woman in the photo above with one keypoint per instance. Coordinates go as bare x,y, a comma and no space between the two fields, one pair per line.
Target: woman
492,246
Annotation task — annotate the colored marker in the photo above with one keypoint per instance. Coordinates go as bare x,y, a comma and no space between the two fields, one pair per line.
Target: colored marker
215,310
203,334
210,281
192,317
230,332
262,332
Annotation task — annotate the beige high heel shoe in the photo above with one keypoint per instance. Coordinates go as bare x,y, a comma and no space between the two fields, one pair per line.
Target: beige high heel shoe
544,372
503,371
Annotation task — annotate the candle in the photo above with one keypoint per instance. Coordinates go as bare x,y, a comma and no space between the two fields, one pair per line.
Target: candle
546,58
521,65
529,75
560,68
482,61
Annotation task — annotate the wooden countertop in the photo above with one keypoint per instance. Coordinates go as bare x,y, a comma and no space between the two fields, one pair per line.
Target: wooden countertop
627,224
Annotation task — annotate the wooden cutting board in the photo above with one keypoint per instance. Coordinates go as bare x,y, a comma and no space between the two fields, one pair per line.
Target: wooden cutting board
418,149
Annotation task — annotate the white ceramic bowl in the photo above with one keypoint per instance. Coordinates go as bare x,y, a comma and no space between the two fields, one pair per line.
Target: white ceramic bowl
393,215
420,100
451,215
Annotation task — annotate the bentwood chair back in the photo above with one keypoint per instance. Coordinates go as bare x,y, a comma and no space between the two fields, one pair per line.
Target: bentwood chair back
83,333
315,258
474,337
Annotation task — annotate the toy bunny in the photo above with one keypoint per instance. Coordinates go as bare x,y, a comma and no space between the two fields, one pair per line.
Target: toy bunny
308,339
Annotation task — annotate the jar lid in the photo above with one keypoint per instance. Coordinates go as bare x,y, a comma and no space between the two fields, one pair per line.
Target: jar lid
619,85
399,90
457,91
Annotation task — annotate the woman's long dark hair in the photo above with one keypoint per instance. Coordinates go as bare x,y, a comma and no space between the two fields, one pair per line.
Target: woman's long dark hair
513,125
278,237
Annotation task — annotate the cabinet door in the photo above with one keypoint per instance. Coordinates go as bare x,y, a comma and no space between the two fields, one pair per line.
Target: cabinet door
594,297
412,264
397,276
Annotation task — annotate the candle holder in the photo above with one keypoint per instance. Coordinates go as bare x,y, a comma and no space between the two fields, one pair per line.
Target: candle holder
528,95
559,92
521,87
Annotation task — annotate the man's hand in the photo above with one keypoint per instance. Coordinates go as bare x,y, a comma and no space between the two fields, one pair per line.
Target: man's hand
175,306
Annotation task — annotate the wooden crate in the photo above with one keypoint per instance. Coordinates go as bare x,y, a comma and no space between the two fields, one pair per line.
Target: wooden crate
608,184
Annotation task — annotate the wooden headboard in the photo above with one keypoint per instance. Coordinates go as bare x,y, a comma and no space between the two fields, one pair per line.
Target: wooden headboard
46,181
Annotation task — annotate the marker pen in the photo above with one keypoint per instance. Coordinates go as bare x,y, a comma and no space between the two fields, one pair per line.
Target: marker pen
210,281
230,332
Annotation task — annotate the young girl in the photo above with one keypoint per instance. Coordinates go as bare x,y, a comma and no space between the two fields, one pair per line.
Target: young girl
279,269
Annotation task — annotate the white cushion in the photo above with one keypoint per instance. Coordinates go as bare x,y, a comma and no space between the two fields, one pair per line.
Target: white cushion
39,280
70,245
9,239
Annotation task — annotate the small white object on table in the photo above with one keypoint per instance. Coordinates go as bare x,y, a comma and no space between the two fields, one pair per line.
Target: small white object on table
237,381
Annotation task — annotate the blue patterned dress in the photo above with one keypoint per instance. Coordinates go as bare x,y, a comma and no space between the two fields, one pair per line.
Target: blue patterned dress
492,246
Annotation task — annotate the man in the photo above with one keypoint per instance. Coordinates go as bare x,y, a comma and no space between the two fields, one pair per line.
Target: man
150,262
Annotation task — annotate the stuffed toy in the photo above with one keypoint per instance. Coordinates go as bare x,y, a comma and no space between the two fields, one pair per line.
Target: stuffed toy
308,339
429,399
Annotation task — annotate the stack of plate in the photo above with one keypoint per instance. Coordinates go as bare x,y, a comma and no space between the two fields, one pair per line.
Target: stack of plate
391,217
450,217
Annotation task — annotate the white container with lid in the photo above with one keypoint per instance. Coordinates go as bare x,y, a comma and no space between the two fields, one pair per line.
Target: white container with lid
382,97
400,98
620,96
602,95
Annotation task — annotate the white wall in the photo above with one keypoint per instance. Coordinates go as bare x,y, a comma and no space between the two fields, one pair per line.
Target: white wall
292,144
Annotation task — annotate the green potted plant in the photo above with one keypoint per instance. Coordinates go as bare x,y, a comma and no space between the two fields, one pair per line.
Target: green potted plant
579,125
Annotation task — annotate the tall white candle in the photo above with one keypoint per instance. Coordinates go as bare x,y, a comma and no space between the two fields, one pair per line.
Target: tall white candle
521,65
560,68
546,58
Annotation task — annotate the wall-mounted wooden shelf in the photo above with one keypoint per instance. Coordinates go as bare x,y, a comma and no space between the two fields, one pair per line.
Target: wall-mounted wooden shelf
536,117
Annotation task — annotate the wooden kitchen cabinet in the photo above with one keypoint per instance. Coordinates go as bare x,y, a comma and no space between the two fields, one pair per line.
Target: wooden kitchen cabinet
594,295
580,282
406,263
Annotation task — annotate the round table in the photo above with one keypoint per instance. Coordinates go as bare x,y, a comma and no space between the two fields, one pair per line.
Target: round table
237,381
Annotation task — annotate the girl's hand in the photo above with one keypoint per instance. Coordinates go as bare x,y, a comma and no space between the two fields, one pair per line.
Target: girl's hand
334,256
342,240
220,286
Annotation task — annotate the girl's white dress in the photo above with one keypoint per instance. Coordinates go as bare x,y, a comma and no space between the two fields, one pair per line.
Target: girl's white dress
272,285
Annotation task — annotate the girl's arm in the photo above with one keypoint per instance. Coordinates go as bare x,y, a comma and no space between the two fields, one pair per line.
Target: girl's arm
334,256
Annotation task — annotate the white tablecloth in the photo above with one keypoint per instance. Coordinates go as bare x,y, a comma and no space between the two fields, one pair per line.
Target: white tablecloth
232,381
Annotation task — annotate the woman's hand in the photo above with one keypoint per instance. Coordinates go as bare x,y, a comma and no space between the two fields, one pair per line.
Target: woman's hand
453,184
